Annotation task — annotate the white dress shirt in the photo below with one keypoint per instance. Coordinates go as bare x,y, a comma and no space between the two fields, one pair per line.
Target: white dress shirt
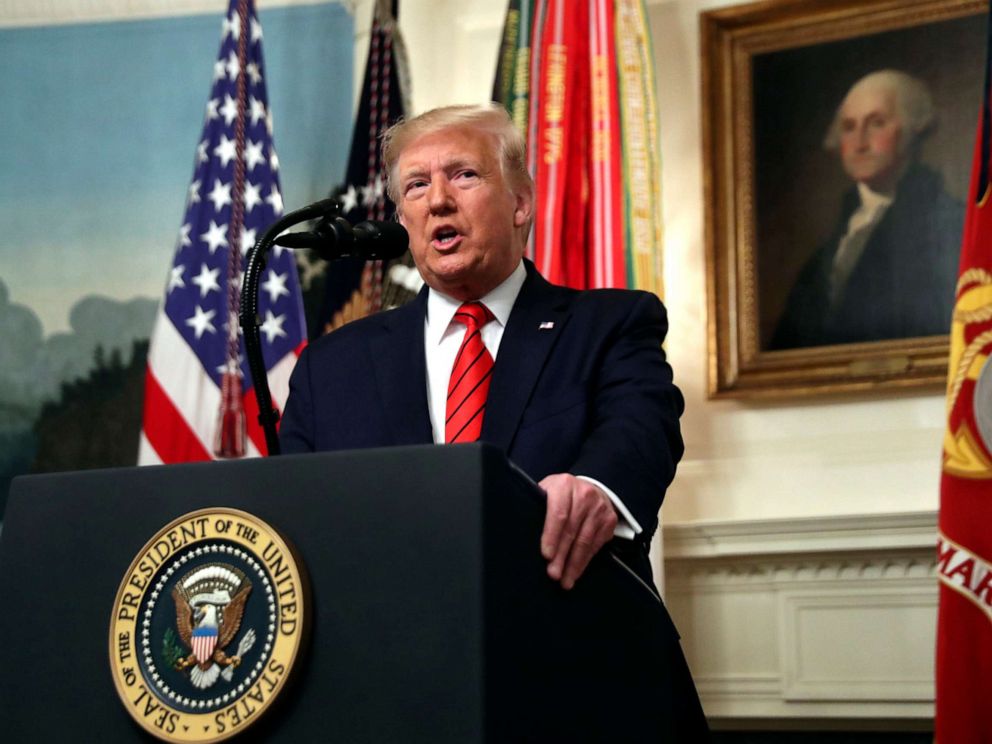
442,338
860,226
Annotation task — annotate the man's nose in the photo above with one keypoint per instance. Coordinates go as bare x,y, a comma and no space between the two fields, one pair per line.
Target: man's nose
439,198
861,136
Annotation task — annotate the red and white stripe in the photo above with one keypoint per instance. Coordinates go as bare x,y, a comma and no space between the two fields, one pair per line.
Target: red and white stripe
181,401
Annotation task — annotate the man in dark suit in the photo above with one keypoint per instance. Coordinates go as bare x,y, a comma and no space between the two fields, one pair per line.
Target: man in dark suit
573,386
889,269
580,396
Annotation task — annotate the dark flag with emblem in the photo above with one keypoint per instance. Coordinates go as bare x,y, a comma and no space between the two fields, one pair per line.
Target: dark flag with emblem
199,400
353,288
964,545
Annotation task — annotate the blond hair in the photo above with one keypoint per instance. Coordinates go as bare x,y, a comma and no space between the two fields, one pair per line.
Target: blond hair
491,118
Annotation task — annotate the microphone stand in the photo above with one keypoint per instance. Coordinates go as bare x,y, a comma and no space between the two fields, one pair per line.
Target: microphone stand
248,318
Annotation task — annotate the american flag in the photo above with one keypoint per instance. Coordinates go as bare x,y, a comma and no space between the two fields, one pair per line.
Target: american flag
197,376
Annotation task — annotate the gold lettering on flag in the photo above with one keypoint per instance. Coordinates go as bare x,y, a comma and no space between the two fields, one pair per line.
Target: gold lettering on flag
600,107
521,89
641,156
555,90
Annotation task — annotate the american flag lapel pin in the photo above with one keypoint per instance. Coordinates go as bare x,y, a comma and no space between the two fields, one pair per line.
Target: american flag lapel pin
547,325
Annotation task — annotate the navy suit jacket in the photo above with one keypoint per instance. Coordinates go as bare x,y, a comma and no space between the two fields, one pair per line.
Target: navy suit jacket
590,395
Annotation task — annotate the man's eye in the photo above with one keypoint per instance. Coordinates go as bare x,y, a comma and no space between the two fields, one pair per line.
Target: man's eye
414,185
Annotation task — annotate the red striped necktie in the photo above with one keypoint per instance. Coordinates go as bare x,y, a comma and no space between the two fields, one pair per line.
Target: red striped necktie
470,377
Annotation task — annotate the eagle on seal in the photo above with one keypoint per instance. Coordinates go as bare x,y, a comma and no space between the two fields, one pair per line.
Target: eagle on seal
210,602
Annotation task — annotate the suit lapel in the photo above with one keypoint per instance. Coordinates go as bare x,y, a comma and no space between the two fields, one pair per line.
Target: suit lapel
400,372
537,319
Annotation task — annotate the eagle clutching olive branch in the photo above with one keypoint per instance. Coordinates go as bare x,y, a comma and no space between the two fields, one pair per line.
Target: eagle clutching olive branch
210,602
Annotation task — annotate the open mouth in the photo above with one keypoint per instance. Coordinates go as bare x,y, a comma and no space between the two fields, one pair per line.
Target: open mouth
445,237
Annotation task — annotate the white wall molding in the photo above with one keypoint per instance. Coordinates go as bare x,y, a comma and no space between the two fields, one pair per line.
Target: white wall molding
801,536
819,618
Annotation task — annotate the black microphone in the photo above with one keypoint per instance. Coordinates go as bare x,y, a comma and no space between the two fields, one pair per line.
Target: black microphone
335,237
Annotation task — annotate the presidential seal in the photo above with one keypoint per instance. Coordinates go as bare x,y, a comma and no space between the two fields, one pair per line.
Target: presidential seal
207,626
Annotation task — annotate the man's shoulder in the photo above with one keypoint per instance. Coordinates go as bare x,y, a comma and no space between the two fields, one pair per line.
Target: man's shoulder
609,308
615,298
362,330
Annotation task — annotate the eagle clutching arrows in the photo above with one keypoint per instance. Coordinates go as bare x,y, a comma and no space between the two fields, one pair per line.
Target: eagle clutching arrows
210,602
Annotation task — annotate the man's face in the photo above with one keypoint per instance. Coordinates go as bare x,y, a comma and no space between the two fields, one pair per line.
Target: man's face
464,222
872,138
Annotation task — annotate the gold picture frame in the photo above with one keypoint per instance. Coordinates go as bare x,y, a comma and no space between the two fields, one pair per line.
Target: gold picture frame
773,74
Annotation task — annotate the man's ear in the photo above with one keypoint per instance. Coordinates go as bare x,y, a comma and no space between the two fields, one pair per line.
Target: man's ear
524,207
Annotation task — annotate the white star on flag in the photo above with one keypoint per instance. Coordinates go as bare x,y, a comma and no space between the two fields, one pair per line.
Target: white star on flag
368,195
349,199
273,160
272,327
275,199
212,109
219,69
215,237
221,195
201,321
233,67
253,196
184,235
225,150
253,73
206,280
176,277
257,109
201,153
253,155
275,285
229,110
256,31
231,25
194,192
247,240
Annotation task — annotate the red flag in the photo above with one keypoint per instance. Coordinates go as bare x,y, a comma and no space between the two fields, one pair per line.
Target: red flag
964,547
558,145
576,77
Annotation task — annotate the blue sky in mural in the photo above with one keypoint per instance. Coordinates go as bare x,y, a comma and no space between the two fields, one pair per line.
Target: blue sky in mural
98,136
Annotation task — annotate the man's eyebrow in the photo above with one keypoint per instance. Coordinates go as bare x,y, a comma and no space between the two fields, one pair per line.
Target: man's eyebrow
413,172
456,163
422,171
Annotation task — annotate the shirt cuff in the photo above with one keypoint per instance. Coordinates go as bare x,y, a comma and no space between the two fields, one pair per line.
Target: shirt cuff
627,527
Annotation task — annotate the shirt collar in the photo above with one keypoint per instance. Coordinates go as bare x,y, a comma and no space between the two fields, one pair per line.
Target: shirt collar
872,200
441,308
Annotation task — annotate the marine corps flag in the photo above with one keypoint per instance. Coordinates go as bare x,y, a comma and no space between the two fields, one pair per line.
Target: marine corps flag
577,78
964,545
